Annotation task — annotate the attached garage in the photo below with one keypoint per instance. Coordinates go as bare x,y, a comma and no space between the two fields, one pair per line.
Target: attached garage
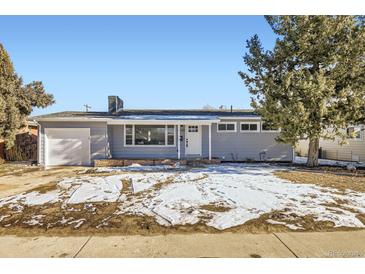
67,146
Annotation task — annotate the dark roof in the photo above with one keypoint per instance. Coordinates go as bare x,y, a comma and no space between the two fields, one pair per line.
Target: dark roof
133,112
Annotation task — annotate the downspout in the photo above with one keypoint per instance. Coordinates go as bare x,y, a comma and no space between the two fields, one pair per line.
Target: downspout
105,142
107,152
178,142
39,132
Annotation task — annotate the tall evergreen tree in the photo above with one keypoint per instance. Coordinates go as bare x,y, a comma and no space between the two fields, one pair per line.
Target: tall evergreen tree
17,99
312,83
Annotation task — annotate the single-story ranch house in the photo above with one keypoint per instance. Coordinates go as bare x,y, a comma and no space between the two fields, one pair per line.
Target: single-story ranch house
79,138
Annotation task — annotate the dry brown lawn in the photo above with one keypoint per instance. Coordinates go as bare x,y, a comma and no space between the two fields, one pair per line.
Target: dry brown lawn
340,181
102,219
215,208
16,178
4,187
13,169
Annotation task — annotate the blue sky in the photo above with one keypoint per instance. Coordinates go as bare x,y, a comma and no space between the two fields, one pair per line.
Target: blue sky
149,61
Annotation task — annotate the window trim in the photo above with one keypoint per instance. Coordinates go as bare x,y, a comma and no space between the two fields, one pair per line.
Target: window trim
167,135
133,136
227,123
125,135
268,131
250,131
361,134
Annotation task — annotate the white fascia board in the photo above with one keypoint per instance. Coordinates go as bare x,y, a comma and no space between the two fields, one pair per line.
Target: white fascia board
130,121
72,120
240,118
160,122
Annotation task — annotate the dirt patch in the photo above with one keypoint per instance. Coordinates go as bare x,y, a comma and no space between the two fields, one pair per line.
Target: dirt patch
162,183
204,176
127,186
361,217
45,188
340,182
16,169
255,256
93,172
22,178
5,187
215,208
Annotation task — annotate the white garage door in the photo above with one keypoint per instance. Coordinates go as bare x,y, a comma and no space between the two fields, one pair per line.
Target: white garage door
67,146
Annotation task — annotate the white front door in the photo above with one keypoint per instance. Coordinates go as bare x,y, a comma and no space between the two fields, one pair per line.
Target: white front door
193,140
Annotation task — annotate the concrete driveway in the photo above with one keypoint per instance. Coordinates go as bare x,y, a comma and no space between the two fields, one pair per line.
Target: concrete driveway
287,245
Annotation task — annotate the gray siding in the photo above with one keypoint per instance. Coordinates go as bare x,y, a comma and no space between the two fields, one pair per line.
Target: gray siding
98,134
205,141
241,146
227,146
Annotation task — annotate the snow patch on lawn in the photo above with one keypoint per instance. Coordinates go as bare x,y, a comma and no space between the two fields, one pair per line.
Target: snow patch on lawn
32,198
36,220
94,189
77,223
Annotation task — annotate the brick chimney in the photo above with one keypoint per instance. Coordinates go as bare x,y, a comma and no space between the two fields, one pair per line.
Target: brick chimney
115,105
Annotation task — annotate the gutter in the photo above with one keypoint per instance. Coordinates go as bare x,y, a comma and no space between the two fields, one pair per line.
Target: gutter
71,119
240,118
126,121
111,121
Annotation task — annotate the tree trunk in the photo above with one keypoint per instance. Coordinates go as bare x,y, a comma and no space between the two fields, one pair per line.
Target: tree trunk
313,152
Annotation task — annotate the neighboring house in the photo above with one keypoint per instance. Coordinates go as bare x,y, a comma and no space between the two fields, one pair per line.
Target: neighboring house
354,150
78,138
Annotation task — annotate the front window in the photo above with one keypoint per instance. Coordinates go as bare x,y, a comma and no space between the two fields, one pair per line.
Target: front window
354,133
150,135
249,127
129,135
170,135
226,127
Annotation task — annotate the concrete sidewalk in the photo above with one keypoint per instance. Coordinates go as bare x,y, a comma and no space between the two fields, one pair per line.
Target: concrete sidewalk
287,245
